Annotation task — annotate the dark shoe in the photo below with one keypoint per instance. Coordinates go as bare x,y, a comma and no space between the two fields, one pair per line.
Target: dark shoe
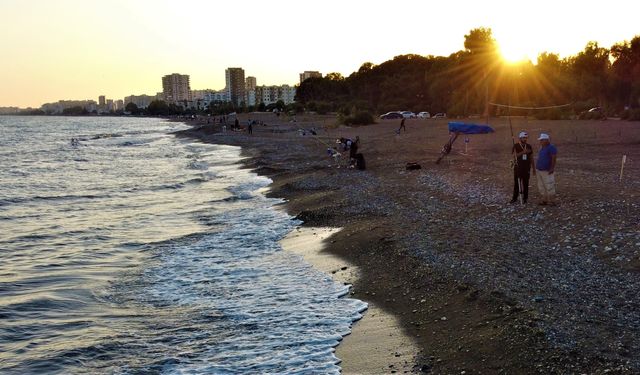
542,203
524,202
513,201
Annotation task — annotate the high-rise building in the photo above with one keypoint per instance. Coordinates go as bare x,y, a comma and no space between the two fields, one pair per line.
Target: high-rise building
175,88
309,74
141,101
101,100
271,94
251,83
234,78
250,91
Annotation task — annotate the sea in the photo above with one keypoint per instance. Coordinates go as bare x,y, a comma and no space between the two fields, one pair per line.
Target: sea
127,250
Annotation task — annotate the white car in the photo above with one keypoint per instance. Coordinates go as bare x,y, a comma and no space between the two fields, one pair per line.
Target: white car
424,115
408,114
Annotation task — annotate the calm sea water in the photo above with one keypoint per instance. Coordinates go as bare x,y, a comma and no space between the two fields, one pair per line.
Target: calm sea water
138,252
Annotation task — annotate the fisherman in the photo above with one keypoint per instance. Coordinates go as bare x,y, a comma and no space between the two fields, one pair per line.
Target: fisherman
523,155
546,165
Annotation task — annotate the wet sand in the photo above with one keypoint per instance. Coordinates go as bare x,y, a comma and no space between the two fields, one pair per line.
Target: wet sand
377,343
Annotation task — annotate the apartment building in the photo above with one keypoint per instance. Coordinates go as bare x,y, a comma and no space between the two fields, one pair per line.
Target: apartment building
309,74
234,78
176,88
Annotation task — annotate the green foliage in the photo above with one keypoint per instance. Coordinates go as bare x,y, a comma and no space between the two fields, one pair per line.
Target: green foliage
33,112
631,114
294,108
322,108
359,118
462,83
159,108
74,111
132,108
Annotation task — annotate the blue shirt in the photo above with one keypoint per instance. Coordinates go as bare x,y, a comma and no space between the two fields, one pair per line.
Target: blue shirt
544,157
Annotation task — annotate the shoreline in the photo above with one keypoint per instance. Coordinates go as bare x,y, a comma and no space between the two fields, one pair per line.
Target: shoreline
480,285
376,343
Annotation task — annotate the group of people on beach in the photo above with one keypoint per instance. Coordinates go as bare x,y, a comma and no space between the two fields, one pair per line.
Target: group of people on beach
543,168
356,159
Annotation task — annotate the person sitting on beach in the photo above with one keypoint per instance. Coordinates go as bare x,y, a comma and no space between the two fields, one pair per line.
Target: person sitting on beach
345,142
333,152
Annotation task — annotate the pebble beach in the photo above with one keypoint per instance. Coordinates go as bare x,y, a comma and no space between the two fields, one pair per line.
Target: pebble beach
477,285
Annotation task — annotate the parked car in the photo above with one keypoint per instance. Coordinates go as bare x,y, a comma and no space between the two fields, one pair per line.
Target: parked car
440,115
408,114
391,115
424,115
595,113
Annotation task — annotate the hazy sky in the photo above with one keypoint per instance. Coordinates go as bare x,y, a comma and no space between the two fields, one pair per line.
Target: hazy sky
72,49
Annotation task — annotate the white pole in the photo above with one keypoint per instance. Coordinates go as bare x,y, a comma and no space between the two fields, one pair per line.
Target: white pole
624,160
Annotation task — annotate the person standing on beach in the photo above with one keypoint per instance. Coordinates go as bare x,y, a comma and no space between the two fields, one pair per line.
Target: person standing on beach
353,150
250,127
402,126
523,154
546,165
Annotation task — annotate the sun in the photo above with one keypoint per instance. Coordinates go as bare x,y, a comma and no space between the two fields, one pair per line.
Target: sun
514,51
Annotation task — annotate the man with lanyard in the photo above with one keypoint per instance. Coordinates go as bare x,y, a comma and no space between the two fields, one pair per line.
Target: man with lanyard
546,165
523,154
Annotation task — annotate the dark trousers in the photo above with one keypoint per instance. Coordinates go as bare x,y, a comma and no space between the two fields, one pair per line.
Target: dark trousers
524,176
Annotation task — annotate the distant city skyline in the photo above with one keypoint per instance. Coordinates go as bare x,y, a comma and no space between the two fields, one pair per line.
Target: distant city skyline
70,49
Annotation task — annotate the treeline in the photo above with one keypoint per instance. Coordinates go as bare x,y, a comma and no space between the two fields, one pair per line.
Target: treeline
463,83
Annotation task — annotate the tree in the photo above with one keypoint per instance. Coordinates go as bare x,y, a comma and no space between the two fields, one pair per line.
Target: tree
334,76
74,111
480,67
160,108
590,72
132,108
626,71
464,82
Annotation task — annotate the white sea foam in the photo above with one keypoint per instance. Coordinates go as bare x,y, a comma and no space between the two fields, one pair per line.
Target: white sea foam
137,252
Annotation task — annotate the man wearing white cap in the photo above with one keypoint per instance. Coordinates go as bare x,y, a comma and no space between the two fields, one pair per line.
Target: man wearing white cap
523,154
546,166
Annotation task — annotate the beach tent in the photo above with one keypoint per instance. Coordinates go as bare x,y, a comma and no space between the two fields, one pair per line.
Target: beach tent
457,128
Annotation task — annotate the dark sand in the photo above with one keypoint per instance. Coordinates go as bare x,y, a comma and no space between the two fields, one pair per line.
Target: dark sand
479,285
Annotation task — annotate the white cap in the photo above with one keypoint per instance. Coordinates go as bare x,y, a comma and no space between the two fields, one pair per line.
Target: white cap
523,135
543,136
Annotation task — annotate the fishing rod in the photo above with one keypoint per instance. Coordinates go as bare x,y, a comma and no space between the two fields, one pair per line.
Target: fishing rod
516,169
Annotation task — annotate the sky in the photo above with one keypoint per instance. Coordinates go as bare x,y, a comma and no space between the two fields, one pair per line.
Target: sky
80,49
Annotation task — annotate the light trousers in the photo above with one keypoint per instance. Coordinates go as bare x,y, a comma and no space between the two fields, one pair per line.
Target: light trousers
546,185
